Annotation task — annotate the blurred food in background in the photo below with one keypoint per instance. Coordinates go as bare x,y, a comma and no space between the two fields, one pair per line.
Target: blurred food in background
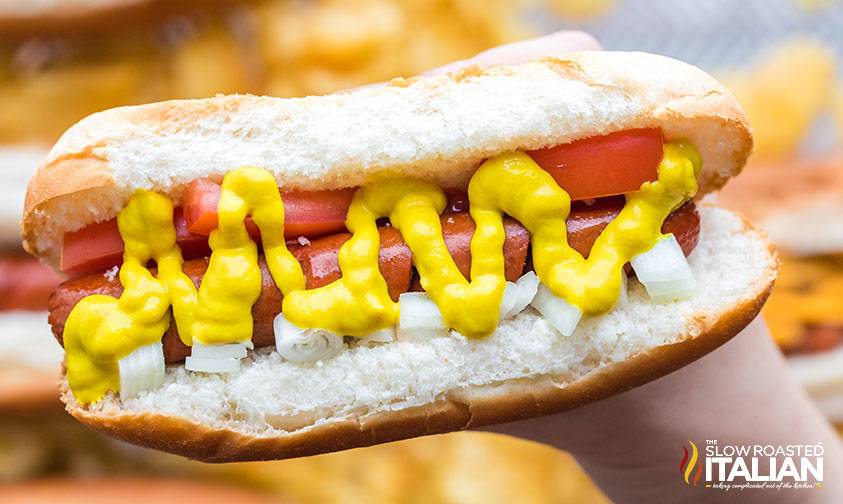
581,8
56,69
29,359
784,93
324,46
130,490
837,110
50,443
800,205
52,77
463,467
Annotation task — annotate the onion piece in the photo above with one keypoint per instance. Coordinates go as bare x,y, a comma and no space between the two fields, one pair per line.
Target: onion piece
141,370
214,365
420,318
664,271
623,299
562,315
510,297
302,345
382,336
235,350
517,295
528,285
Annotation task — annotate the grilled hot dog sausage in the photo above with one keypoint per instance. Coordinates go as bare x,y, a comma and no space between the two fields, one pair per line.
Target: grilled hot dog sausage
320,266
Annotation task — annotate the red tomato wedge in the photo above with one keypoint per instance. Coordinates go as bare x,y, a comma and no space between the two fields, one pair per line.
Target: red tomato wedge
594,167
306,213
99,246
608,165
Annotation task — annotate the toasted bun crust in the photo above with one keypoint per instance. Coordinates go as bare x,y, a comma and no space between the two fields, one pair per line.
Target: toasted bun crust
799,203
736,268
127,491
437,128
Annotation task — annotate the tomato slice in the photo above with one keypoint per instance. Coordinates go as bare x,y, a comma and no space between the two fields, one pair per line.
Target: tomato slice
306,213
99,246
608,165
594,167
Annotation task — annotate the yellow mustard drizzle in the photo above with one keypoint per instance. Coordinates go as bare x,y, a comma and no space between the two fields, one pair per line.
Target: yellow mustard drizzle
359,302
514,183
101,330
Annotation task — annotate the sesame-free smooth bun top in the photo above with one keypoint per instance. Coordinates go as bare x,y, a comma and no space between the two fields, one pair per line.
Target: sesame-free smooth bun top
435,128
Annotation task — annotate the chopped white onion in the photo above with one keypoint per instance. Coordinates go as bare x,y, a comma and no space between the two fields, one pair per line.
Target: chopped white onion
141,370
214,365
528,285
559,313
301,345
219,358
518,295
381,336
623,299
420,318
664,271
510,297
235,350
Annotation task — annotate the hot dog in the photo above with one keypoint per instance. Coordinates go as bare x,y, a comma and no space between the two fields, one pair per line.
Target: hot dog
319,263
525,297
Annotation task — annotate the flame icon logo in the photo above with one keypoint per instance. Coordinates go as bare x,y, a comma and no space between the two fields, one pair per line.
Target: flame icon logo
686,470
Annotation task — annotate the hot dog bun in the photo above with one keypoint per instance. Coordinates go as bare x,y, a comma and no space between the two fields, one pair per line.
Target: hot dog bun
438,129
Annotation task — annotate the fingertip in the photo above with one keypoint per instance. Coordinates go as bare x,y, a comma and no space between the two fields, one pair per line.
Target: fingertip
519,52
527,50
575,40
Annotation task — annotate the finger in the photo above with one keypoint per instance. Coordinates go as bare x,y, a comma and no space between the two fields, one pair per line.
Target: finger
525,50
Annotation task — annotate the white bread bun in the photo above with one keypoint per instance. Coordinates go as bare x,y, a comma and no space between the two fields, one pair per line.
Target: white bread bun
798,203
438,129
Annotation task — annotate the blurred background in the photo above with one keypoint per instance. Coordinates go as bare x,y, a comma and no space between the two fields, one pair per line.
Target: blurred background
61,60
